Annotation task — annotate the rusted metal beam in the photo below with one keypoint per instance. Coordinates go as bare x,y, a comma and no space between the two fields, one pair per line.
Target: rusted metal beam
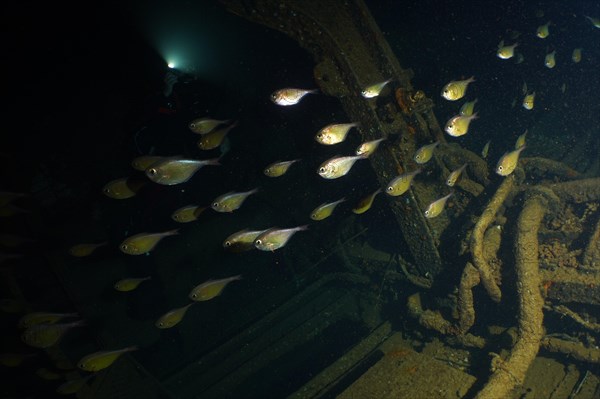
351,53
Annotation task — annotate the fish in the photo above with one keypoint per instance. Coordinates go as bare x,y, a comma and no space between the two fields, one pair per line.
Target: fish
458,125
543,31
231,201
455,175
506,52
365,203
467,108
594,21
172,317
211,288
338,166
279,168
214,139
290,96
576,56
375,89
425,153
177,170
524,88
100,360
47,335
122,188
73,386
11,240
46,374
367,148
35,318
456,89
436,207
400,184
142,243
188,213
519,58
528,101
275,238
550,60
520,140
143,162
83,250
486,148
334,134
14,359
563,88
206,125
242,240
129,284
508,162
325,210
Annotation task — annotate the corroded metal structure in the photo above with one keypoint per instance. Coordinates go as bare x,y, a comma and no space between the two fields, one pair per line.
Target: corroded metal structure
351,53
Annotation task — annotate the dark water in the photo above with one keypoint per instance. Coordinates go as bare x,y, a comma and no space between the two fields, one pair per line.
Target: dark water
82,96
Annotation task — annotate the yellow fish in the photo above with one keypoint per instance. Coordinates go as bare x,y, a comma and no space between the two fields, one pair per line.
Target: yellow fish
173,171
506,52
468,108
275,238
365,203
425,153
188,213
520,140
334,134
35,318
456,89
231,201
486,148
401,184
142,243
459,125
543,31
455,175
143,162
242,240
212,288
122,188
325,210
369,147
14,359
172,317
205,125
594,21
129,284
337,167
46,335
73,386
82,250
214,139
279,168
375,89
436,207
508,162
576,56
101,360
550,60
289,96
529,101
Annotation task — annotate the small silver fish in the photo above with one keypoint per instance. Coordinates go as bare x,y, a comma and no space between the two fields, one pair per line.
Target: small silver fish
401,184
456,89
276,238
277,169
369,147
175,170
375,89
454,175
289,96
436,207
486,148
338,166
425,153
506,52
205,125
325,210
211,288
334,134
231,201
508,162
242,240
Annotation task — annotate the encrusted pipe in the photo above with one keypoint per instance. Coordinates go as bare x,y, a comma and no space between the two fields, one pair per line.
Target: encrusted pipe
466,312
511,372
487,217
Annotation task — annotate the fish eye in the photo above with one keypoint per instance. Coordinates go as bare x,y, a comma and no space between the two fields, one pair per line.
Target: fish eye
192,125
427,212
258,242
194,295
227,243
124,247
106,190
152,171
500,167
390,188
215,204
322,169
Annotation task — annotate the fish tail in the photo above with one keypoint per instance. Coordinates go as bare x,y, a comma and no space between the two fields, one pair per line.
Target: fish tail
471,79
131,348
238,277
173,232
302,228
214,161
313,91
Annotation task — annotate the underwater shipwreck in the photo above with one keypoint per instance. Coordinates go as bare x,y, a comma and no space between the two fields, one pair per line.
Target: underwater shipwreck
519,318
